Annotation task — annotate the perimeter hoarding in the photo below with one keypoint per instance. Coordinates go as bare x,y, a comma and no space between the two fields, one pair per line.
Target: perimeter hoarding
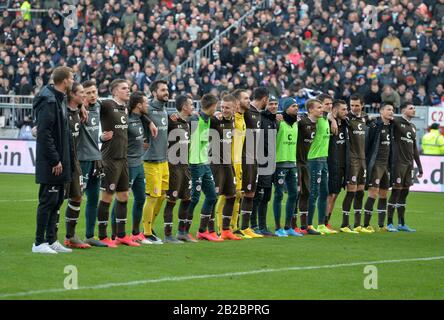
18,156
433,178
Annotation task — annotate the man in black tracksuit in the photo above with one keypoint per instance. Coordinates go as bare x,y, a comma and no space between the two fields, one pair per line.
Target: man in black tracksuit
265,182
53,158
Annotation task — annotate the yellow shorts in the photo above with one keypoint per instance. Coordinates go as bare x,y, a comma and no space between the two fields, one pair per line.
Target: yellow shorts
238,174
157,176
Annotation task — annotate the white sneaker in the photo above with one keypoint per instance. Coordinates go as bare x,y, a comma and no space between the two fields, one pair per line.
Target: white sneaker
43,248
146,241
152,240
57,246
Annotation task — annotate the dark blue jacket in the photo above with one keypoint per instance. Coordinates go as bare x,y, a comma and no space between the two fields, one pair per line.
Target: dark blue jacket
53,137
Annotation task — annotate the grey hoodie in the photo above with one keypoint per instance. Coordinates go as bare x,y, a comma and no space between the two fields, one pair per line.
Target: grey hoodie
88,144
158,149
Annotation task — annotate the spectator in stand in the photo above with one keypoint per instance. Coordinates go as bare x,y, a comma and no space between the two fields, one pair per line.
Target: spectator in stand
391,96
25,127
322,45
437,96
373,97
421,99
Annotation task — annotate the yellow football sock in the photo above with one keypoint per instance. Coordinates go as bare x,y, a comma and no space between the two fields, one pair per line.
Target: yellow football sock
157,207
236,207
219,208
147,217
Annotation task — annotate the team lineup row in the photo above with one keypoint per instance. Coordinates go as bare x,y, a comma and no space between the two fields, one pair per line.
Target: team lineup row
312,156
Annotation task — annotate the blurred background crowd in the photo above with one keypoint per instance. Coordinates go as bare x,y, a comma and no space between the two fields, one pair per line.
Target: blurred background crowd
295,48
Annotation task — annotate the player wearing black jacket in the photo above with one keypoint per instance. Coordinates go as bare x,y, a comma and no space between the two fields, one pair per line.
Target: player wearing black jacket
337,157
265,182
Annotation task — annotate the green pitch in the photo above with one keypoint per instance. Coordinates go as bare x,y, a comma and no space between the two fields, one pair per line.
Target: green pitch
327,267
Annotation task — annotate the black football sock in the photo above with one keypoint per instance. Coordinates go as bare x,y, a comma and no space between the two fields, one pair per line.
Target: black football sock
227,212
183,213
368,208
71,217
357,206
382,210
168,218
391,205
263,206
401,206
346,206
247,206
303,210
121,217
102,219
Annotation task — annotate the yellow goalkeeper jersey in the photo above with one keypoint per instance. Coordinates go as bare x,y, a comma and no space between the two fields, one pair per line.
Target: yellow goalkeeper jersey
240,130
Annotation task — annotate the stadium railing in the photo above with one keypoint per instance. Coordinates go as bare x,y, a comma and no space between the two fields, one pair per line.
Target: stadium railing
36,14
13,109
194,59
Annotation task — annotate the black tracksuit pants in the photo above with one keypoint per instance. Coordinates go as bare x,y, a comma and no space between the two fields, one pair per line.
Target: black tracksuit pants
50,200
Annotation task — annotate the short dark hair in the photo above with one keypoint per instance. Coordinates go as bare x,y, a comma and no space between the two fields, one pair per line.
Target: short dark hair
338,102
357,96
236,93
89,83
115,83
260,92
135,99
73,90
434,126
385,105
61,73
180,101
323,96
155,85
405,105
208,100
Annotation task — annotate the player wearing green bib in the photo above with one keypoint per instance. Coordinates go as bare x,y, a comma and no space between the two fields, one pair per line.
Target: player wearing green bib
201,175
286,172
318,168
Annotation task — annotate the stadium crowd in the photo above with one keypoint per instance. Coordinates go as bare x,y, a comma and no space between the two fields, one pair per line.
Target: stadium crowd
289,46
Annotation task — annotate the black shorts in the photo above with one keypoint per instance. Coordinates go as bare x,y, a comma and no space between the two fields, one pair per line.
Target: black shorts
249,177
265,181
304,181
336,180
179,182
380,177
358,172
74,189
116,177
224,179
403,176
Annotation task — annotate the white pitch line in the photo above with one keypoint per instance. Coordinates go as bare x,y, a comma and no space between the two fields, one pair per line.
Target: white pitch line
212,276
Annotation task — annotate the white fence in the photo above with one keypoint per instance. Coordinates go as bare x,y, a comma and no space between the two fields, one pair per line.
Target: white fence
13,109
